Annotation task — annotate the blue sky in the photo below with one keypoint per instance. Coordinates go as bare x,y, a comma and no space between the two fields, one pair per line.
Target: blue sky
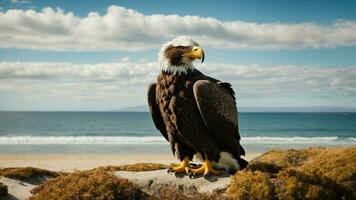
317,11
275,53
320,11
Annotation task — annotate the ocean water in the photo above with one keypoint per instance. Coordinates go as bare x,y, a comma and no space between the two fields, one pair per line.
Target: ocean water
134,132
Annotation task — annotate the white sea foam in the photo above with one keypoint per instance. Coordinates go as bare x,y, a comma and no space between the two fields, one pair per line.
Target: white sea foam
81,140
292,140
37,140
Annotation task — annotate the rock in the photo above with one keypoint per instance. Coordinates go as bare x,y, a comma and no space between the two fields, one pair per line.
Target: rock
17,189
153,180
3,190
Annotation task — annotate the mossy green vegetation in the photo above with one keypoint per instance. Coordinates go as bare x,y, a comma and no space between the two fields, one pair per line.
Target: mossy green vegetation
87,185
312,173
3,190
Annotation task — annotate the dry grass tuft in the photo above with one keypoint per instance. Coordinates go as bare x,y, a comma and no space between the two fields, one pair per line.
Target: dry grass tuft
293,184
337,164
3,190
250,185
28,174
86,185
285,158
138,167
264,167
176,194
312,173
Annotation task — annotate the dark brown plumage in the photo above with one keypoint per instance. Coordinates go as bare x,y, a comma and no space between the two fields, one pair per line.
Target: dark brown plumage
194,112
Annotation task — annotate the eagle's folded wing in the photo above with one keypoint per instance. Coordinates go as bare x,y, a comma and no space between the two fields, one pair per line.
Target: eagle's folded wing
217,106
154,109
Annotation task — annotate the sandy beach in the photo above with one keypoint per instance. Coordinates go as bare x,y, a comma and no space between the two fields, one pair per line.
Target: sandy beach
72,162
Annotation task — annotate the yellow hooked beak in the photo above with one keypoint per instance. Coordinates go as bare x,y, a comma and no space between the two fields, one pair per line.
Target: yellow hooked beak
195,53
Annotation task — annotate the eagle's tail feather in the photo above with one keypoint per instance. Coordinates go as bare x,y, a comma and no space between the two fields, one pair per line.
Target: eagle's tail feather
242,150
243,163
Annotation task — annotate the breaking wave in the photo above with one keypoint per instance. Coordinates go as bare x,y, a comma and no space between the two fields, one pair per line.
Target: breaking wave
38,140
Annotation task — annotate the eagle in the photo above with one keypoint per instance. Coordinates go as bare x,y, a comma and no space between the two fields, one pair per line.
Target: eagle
195,113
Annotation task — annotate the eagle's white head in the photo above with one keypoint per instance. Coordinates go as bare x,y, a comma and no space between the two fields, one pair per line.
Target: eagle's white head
177,55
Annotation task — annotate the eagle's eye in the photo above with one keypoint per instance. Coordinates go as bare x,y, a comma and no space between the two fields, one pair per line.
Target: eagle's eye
181,48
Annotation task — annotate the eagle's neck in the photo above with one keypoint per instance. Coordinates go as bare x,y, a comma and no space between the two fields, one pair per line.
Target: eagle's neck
184,68
167,79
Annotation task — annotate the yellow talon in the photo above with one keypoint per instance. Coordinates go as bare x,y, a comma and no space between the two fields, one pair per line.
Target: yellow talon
206,169
182,168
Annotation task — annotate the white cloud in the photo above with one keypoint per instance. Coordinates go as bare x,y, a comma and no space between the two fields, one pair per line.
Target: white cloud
257,80
129,30
113,85
118,71
20,1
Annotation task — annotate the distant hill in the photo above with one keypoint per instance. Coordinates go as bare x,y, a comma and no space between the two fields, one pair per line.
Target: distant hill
135,109
298,109
144,108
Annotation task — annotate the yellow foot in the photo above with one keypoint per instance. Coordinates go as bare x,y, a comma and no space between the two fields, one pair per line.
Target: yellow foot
182,168
206,169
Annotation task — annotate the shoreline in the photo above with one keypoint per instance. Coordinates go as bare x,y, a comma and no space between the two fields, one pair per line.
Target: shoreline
73,162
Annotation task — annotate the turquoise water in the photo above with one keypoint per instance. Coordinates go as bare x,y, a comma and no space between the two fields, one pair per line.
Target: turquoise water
134,132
